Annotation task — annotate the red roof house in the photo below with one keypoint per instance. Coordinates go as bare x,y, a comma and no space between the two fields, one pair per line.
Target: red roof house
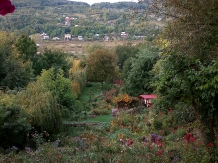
147,99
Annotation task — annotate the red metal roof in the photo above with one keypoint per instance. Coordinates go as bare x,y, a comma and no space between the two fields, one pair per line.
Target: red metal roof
149,96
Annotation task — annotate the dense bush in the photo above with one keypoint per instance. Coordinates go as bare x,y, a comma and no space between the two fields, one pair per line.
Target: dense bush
14,124
14,127
59,86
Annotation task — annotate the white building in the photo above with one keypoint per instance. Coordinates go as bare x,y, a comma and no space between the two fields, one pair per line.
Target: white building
67,37
67,21
124,34
44,36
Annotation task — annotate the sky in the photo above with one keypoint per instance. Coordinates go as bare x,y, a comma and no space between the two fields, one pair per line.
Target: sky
97,1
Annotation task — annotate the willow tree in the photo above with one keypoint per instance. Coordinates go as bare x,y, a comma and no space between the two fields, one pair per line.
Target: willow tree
187,70
42,107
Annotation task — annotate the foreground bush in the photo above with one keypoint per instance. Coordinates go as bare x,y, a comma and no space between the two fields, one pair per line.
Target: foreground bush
14,124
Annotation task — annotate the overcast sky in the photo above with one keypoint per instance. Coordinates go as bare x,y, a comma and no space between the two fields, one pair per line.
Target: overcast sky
97,1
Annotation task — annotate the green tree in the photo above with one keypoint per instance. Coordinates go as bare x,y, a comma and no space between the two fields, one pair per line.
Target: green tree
42,107
16,73
101,66
14,123
5,50
26,47
139,77
191,36
13,71
124,52
49,59
59,86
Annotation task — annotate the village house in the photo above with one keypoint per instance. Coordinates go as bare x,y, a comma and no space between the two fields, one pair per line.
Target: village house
106,38
67,37
67,21
44,36
124,34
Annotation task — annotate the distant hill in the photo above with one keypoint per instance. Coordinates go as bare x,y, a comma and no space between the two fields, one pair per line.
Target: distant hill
59,17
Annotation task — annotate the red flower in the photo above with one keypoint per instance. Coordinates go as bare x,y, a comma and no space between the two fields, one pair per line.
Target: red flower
210,144
192,138
159,144
187,136
200,143
160,152
6,7
130,142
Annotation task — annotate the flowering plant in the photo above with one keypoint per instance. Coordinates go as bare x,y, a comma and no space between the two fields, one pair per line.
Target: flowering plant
6,7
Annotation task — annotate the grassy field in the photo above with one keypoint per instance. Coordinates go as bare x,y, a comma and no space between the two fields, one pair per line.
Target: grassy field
95,90
100,118
77,47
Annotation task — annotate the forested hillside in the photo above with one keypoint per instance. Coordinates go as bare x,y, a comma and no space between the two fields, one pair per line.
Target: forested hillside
110,19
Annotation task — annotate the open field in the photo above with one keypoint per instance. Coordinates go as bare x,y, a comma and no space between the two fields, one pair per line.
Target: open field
78,46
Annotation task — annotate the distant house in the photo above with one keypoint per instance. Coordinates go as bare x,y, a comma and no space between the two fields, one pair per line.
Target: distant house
44,36
55,38
80,38
124,34
67,37
106,38
74,37
67,21
147,98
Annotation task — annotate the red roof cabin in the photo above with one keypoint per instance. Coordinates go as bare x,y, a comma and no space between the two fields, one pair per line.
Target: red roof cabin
147,99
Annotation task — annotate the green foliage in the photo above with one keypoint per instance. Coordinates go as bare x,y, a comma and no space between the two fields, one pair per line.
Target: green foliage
49,59
157,124
16,73
139,78
91,48
59,86
42,107
26,47
78,76
101,66
13,71
14,123
125,52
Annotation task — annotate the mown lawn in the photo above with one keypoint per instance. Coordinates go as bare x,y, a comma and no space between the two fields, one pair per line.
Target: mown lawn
100,118
95,90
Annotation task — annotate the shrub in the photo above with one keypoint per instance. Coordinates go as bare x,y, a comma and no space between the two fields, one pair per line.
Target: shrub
59,86
14,126
157,124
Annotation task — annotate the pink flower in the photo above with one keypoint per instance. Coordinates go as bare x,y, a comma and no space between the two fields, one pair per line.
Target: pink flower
6,7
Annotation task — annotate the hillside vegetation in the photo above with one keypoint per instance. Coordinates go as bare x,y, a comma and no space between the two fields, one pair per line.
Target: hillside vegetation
110,19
